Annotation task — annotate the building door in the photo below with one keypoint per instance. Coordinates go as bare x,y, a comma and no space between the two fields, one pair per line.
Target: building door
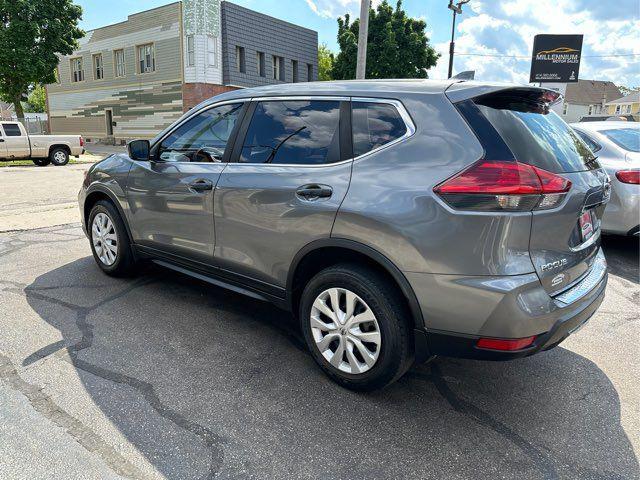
109,121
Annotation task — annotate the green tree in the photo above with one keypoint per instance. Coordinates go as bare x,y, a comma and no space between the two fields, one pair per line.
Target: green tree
397,45
37,100
32,34
325,63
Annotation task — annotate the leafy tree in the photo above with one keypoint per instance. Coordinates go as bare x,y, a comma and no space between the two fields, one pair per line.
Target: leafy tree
627,90
397,45
32,34
37,100
325,63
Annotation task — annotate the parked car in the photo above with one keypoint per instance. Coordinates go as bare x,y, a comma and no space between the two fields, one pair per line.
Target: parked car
396,219
617,145
16,143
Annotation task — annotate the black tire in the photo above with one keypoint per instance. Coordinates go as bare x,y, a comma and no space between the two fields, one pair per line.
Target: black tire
41,162
124,264
59,156
396,349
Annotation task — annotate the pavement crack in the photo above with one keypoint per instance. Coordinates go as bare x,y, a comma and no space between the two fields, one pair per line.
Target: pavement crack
86,437
460,405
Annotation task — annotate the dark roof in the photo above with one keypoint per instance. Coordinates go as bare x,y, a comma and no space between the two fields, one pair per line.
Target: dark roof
588,92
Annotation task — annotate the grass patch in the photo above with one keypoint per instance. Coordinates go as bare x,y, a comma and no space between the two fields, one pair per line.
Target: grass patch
29,163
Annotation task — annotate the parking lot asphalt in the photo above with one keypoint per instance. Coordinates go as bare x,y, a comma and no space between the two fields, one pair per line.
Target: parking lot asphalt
161,376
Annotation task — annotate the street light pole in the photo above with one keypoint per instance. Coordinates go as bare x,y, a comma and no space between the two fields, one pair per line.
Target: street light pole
457,9
363,34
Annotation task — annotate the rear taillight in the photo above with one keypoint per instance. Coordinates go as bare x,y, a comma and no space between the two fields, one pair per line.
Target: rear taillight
629,176
81,142
505,344
492,185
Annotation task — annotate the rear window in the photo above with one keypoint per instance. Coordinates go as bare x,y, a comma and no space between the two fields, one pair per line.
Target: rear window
627,138
375,125
12,130
535,134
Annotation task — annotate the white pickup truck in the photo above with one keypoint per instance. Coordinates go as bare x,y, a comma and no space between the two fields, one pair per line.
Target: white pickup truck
16,143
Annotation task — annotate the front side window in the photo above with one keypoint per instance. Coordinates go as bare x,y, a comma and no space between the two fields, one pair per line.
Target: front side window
202,138
146,58
98,69
374,125
302,132
12,130
77,72
118,60
191,51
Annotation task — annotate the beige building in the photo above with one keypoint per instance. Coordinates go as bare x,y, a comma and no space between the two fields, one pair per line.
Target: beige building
627,105
585,98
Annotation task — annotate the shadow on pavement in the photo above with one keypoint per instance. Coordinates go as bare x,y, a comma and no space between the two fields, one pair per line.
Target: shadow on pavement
623,256
204,382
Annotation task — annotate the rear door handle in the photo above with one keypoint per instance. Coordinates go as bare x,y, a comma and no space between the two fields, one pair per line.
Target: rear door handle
201,185
314,191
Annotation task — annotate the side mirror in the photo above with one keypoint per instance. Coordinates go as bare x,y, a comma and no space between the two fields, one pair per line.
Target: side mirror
139,149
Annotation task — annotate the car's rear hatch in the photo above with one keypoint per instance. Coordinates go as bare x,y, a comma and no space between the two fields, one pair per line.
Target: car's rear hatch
565,229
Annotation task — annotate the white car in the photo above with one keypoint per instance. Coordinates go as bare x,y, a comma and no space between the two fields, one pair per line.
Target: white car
16,143
617,146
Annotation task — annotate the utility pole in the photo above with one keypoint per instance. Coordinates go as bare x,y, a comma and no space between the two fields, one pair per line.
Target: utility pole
457,10
363,34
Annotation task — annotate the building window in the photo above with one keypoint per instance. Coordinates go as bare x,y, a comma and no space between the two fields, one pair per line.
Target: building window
617,108
278,68
564,108
590,110
260,63
294,68
212,51
191,51
146,58
629,108
309,72
77,72
240,60
98,67
118,63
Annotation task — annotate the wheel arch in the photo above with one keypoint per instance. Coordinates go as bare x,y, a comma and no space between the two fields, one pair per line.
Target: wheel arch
326,252
101,193
62,146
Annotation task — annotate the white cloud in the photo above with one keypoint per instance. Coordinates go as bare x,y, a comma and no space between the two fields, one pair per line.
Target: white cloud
337,8
508,28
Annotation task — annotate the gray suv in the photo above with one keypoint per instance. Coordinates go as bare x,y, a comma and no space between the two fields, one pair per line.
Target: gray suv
397,220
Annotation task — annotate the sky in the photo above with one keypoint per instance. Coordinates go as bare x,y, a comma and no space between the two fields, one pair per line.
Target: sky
499,33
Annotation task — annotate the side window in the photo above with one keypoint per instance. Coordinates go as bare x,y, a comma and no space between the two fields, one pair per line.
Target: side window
373,125
12,130
203,138
593,146
303,132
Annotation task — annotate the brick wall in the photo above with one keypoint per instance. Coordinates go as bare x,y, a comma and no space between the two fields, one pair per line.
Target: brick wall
194,93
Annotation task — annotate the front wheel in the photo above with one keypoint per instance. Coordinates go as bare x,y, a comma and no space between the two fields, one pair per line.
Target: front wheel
41,162
59,157
356,326
109,240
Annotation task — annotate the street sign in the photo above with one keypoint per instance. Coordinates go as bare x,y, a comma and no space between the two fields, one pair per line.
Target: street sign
556,58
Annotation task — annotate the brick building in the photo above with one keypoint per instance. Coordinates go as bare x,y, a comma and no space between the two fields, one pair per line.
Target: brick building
131,79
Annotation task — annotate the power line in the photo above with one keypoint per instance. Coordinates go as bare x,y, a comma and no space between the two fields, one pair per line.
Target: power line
529,56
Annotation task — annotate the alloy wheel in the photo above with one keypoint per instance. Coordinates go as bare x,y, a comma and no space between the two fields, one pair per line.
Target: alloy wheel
59,156
345,330
104,238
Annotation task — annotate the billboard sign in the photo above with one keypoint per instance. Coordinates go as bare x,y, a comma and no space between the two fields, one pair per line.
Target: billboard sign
556,58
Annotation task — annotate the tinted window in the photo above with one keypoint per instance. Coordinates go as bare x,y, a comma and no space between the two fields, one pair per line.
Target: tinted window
12,130
589,141
297,132
537,136
206,133
627,138
373,125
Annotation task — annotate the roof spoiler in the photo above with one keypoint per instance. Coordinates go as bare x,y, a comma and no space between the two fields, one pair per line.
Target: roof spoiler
460,91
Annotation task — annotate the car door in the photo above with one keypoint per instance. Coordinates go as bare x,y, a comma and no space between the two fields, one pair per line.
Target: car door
3,144
290,171
16,140
171,196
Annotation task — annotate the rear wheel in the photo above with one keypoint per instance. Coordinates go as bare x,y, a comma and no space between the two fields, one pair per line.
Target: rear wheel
59,156
356,327
109,240
41,162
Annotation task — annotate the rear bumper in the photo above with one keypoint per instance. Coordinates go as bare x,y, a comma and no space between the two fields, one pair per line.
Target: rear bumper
521,311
